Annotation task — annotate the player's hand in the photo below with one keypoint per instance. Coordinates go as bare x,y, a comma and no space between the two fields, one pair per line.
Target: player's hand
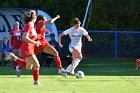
60,45
48,31
89,39
58,16
37,43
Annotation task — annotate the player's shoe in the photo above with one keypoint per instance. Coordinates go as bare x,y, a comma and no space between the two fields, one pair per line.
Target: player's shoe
37,83
137,67
17,71
10,56
71,73
63,72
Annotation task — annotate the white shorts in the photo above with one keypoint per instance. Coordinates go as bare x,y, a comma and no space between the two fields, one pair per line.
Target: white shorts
71,48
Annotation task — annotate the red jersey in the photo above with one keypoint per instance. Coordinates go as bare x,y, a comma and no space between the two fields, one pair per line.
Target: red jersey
41,30
27,49
16,38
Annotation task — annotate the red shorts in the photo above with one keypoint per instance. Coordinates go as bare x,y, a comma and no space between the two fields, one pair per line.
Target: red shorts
27,50
39,49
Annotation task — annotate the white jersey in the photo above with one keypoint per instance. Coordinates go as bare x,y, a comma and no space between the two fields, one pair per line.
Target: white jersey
75,36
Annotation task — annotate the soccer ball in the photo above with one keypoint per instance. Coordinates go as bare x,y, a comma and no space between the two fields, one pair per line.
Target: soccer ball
79,74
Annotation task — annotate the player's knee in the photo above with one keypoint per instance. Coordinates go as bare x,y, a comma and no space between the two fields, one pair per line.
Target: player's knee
29,68
80,57
56,53
37,66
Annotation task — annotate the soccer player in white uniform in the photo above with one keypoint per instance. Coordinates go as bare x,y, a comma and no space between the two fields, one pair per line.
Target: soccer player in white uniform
75,33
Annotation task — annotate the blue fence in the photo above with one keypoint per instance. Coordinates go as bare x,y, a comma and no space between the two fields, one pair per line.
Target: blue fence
116,34
110,44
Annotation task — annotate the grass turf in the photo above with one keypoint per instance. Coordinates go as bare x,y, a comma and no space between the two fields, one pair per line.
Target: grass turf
101,76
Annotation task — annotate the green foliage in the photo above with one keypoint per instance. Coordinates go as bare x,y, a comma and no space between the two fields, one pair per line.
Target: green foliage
105,15
115,15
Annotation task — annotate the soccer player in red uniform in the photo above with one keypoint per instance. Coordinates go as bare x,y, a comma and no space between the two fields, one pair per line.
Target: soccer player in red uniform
41,29
16,38
137,63
45,46
28,44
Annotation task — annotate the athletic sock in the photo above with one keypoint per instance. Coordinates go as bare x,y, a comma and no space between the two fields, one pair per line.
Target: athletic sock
69,68
75,64
35,74
58,62
21,63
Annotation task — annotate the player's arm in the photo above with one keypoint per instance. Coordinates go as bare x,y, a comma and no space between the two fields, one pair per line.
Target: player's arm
27,39
86,34
27,30
88,37
59,39
66,32
52,20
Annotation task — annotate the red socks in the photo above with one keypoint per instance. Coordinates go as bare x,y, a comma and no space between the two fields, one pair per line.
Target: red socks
58,62
21,63
35,74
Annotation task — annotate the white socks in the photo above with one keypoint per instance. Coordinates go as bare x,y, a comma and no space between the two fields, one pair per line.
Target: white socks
72,67
69,68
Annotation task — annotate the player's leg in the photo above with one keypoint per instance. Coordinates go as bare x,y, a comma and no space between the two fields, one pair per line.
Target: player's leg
69,68
33,60
51,50
21,62
77,56
15,52
29,66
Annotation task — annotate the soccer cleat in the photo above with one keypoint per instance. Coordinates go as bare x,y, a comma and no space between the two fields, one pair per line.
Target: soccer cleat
37,83
8,56
63,72
137,67
71,73
17,71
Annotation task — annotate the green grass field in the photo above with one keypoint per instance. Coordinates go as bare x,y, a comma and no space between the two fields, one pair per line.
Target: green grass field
101,76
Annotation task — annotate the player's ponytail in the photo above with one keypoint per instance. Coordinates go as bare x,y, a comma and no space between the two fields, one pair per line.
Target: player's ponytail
29,16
